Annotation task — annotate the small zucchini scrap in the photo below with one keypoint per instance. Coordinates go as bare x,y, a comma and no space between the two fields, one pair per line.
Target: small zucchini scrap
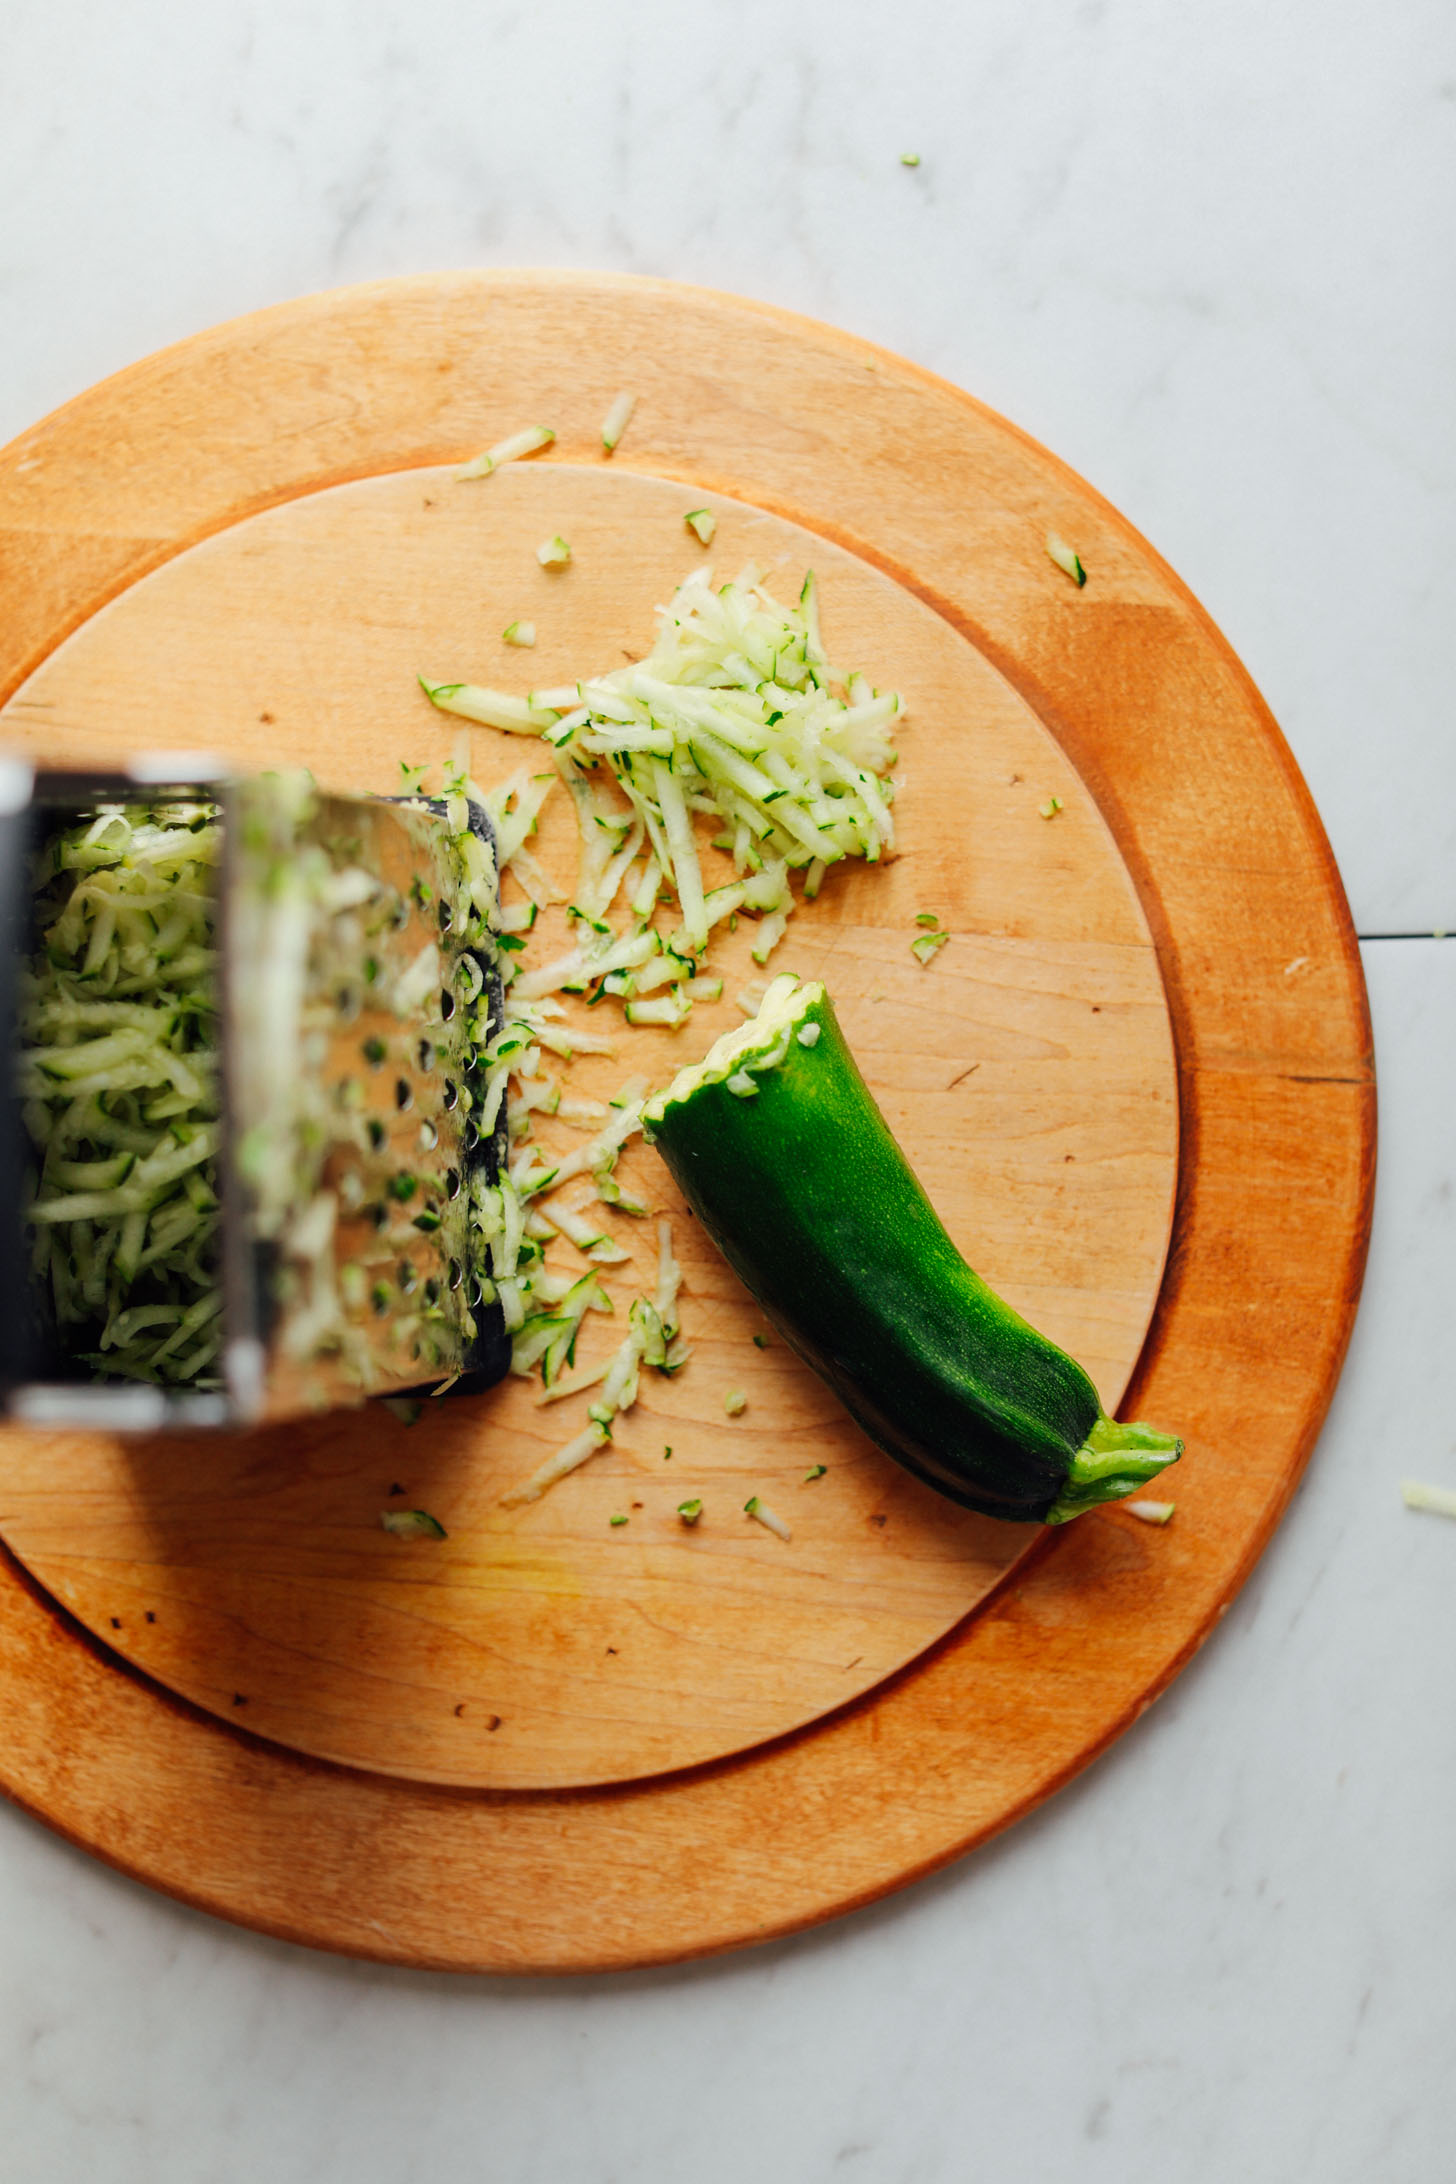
757,1508
412,1524
492,708
1439,1501
924,946
690,1511
509,450
577,1452
1151,1512
553,553
927,943
814,1206
519,633
1050,808
703,524
616,421
1066,558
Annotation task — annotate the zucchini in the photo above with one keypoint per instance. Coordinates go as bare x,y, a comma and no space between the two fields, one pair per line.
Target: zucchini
807,1195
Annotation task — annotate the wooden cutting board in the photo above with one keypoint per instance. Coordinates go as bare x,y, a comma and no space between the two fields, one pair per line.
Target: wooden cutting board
281,478
1028,1071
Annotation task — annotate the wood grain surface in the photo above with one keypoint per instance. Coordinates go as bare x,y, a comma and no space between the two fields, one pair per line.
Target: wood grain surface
1275,1086
1028,1071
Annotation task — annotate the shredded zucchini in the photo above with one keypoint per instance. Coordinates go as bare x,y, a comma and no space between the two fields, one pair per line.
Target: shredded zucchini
738,715
576,1452
1440,1501
1066,558
412,1524
737,719
509,450
549,1338
757,1508
616,421
119,1080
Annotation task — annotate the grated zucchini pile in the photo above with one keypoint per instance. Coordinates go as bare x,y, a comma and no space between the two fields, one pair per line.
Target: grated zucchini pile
119,1080
736,718
736,715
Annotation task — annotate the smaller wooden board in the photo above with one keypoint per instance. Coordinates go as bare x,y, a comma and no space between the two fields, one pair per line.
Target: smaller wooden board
1028,1071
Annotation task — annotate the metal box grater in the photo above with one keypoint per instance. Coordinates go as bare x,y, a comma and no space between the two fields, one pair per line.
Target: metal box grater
356,987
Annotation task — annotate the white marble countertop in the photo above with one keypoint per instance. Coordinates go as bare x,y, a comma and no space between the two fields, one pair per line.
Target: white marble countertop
1205,255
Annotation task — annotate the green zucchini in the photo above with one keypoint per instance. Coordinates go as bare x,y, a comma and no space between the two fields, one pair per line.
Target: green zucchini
779,1148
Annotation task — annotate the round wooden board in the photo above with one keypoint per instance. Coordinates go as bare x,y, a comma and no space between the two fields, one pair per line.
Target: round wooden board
1028,1072
1275,1077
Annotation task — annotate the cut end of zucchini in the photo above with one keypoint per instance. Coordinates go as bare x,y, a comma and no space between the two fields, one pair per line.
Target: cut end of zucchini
1113,1462
746,1050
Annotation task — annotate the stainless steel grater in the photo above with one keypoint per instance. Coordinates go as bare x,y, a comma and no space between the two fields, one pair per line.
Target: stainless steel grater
356,989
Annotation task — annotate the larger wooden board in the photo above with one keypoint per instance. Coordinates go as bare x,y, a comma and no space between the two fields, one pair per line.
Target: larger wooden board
1275,1084
1028,1071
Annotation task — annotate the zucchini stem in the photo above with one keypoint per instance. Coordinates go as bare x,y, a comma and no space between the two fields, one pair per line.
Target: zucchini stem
1113,1461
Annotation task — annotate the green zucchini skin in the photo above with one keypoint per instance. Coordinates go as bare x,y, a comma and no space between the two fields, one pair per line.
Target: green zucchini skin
805,1192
